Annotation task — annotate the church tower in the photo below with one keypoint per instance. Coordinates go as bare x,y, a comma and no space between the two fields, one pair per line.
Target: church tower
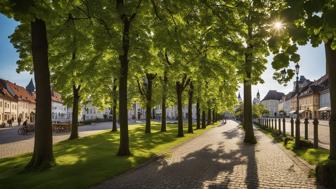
30,87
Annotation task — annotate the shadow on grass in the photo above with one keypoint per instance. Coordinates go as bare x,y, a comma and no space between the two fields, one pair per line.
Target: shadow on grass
87,161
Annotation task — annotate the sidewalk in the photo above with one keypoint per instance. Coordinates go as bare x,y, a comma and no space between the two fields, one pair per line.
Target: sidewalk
218,159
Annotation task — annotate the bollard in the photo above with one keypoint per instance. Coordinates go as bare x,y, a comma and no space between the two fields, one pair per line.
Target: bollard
284,126
292,127
306,129
267,123
279,125
315,122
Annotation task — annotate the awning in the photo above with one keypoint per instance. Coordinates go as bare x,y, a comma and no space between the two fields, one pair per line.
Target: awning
324,109
294,112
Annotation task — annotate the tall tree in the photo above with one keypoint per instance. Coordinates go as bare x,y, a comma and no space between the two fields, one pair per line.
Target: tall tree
32,18
146,90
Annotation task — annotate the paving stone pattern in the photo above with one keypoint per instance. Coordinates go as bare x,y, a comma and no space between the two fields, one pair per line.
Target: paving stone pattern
218,159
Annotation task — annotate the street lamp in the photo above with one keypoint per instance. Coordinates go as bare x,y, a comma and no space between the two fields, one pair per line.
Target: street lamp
297,122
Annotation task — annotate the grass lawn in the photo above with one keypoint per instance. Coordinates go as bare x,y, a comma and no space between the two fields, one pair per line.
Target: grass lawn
312,155
90,160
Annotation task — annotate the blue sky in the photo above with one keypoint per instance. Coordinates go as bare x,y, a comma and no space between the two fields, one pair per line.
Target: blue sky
8,54
312,63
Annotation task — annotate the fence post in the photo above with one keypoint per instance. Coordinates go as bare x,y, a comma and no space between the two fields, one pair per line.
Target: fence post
315,122
292,126
272,124
279,122
306,129
275,125
284,126
267,122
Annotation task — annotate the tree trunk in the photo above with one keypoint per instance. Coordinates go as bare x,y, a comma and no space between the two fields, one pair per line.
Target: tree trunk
190,122
43,155
123,114
213,116
249,133
209,116
149,102
74,125
163,102
179,89
203,120
198,115
331,67
114,106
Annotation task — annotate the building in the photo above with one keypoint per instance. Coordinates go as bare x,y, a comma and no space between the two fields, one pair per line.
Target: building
271,102
256,100
24,107
59,111
239,98
281,105
287,103
7,101
324,111
91,112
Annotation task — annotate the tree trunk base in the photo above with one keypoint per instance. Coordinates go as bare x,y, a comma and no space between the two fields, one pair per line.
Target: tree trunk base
326,173
250,140
125,152
73,137
180,135
40,164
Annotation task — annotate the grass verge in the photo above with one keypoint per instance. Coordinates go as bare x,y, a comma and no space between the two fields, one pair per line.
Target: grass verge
311,155
90,160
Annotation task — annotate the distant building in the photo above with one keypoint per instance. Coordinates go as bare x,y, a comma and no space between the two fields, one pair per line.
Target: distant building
91,112
287,103
271,102
239,98
59,111
24,106
256,100
7,101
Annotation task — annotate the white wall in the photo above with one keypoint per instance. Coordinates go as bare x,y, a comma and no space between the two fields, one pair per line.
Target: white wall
325,99
271,106
58,112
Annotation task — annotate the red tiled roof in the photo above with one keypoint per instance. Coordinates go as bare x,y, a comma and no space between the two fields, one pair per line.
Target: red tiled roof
5,94
20,93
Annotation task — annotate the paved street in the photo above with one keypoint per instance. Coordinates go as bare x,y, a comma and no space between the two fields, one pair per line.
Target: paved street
218,159
323,131
12,144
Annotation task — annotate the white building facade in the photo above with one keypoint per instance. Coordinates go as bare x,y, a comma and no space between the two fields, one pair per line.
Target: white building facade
271,102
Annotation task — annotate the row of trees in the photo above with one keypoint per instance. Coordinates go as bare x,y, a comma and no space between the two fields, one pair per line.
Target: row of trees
85,50
177,52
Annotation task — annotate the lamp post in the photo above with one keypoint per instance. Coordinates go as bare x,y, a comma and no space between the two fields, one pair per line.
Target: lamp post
297,121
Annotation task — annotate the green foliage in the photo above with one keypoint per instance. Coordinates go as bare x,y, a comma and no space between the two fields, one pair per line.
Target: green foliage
259,110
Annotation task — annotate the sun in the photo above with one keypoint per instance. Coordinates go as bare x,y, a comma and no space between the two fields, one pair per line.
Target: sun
278,25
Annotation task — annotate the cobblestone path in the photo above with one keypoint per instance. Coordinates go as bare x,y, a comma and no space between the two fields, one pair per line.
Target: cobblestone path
218,159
